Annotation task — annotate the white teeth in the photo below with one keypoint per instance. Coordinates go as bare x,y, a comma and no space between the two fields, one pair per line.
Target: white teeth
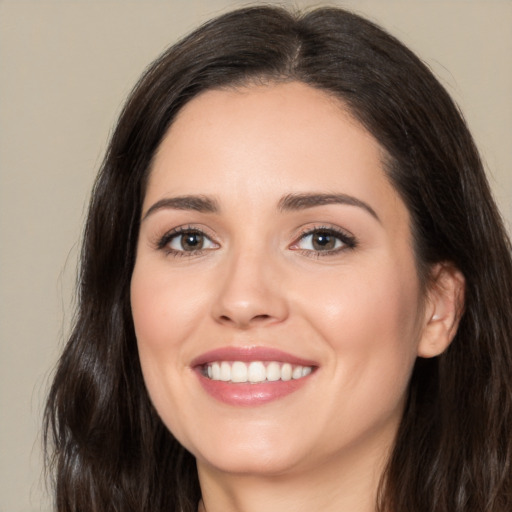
296,374
286,371
273,372
238,372
225,371
255,371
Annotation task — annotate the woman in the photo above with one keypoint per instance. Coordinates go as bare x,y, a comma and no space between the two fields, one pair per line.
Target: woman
295,287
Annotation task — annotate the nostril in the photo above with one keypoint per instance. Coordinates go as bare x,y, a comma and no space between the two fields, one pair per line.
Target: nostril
254,319
261,317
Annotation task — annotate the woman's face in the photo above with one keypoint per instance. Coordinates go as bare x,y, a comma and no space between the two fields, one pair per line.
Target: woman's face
275,298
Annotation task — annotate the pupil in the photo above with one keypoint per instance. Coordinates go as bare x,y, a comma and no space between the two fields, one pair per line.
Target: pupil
323,240
191,241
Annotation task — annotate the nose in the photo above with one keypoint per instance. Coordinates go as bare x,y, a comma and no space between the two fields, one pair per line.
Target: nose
250,293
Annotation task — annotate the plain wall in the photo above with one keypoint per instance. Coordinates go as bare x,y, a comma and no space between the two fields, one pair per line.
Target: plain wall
65,68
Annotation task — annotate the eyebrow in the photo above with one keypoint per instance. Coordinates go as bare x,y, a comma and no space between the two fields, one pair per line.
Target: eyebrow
292,202
202,204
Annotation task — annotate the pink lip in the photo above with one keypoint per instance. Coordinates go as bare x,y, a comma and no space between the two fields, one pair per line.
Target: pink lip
246,394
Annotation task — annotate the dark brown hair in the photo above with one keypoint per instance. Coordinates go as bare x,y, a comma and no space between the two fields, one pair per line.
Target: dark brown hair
109,450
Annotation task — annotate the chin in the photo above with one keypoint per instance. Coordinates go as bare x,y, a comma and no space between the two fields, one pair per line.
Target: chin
249,462
250,454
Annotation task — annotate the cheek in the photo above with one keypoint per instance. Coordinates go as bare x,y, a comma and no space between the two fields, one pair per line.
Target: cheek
371,321
386,298
155,309
162,308
163,318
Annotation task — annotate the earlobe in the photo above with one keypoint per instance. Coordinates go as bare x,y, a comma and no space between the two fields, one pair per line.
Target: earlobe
443,310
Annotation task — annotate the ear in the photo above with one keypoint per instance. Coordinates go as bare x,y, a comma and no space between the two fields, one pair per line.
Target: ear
443,309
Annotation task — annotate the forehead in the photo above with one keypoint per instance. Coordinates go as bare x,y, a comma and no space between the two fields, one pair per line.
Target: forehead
269,140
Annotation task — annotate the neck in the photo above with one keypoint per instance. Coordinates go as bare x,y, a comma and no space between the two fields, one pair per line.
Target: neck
331,486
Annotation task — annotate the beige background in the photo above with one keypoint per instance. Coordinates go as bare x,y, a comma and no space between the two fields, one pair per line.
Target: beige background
65,69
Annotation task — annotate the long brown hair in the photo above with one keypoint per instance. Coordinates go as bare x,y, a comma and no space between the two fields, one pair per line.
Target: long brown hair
107,447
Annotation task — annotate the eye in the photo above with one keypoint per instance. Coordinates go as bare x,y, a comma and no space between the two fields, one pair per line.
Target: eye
186,240
326,240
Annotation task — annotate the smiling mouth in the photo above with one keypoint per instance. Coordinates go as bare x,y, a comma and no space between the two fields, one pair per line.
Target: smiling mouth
251,376
254,372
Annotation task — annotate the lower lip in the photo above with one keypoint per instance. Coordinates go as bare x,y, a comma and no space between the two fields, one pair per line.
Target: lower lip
247,394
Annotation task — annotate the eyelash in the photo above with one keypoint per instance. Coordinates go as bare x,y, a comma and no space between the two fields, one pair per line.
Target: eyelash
163,243
348,241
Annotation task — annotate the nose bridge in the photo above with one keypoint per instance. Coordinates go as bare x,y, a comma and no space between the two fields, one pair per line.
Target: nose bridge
249,291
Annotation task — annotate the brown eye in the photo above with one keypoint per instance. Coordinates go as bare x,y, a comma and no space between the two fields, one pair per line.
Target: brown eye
187,241
323,241
191,241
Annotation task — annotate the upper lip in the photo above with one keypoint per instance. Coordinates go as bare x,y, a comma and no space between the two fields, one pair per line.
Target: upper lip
248,354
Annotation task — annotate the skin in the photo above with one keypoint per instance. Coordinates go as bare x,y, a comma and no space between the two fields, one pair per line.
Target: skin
358,312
